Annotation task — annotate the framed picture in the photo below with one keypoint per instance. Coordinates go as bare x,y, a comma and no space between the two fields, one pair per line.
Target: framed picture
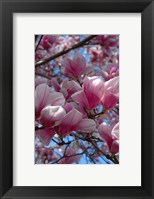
76,99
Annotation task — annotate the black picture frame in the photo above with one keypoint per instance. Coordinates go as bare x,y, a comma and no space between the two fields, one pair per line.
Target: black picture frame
7,8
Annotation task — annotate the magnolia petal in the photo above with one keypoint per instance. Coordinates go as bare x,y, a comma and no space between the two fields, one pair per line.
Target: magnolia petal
93,88
74,87
112,86
65,62
79,60
64,92
67,65
115,130
66,84
78,65
80,97
56,99
93,85
69,106
86,125
87,70
45,135
109,100
105,132
50,115
42,94
40,80
69,121
115,147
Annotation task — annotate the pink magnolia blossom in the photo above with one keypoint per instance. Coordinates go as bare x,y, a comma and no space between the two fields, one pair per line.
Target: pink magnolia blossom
107,40
64,123
43,97
73,121
98,54
111,93
108,72
90,95
48,41
110,135
51,116
76,67
111,71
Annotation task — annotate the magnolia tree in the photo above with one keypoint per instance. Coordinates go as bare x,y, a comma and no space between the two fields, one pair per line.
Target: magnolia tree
77,99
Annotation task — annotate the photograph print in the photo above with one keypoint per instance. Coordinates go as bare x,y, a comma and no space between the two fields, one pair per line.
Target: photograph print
76,99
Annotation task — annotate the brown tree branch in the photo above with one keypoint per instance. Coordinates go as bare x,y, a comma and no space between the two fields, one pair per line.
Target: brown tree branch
80,44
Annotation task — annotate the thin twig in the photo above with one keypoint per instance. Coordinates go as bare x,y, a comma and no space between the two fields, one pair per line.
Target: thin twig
62,143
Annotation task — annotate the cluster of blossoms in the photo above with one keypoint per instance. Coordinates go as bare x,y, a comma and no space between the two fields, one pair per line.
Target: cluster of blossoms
77,99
